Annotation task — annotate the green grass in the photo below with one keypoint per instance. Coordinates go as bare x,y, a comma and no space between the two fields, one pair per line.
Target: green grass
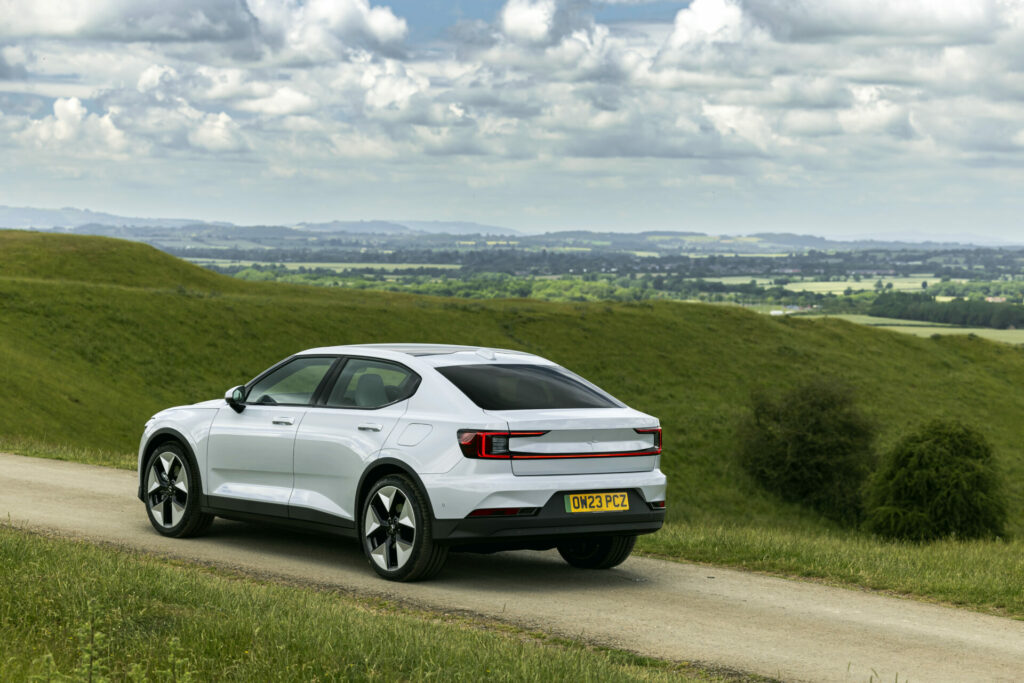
96,335
74,611
983,575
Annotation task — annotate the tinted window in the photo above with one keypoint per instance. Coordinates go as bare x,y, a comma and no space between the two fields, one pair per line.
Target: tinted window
371,384
293,383
524,387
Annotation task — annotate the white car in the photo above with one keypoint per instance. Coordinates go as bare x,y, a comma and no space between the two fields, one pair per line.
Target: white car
417,450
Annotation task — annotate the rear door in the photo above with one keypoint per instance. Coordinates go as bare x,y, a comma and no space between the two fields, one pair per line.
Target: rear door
341,435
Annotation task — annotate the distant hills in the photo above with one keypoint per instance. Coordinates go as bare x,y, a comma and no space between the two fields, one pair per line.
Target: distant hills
27,217
394,228
404,234
23,217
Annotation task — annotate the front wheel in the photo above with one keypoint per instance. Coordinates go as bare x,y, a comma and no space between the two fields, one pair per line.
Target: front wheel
397,534
603,552
172,493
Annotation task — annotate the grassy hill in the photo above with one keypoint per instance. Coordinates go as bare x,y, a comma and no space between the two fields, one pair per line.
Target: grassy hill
98,334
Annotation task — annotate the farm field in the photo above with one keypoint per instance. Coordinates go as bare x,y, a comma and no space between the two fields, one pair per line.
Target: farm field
924,329
97,334
867,283
337,267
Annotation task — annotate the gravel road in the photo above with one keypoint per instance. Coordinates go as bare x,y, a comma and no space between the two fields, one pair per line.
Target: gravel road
791,630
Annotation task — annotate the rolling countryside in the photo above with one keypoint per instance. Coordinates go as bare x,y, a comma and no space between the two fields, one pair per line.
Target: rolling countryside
97,334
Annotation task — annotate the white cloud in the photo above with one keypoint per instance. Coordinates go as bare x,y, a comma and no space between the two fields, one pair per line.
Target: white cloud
390,85
285,100
156,77
127,20
744,123
217,133
756,91
942,19
72,129
528,21
319,30
708,21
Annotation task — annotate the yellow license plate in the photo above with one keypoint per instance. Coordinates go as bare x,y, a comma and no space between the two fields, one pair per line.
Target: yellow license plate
616,501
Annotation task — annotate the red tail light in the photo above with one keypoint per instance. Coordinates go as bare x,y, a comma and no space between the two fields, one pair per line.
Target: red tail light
494,445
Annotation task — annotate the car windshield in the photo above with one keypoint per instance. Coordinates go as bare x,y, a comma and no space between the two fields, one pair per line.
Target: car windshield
525,387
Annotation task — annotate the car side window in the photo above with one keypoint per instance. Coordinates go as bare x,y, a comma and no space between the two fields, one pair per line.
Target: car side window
366,383
294,383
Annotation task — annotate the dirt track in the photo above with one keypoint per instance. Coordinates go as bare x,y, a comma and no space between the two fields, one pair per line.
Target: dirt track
787,629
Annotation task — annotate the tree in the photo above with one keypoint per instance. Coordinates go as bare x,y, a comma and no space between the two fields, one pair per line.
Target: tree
810,445
936,483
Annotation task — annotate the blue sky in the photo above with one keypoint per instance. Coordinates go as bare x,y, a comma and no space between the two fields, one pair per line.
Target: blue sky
867,118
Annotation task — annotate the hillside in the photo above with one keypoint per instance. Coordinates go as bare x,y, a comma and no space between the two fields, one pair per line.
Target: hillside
98,334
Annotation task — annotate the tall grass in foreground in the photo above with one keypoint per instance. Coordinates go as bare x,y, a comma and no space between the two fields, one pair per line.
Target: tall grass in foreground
74,611
89,456
982,574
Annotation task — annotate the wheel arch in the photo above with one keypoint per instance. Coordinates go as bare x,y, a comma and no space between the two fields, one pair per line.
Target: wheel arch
159,438
382,468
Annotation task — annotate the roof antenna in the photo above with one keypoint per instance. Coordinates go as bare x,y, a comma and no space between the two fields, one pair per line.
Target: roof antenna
486,354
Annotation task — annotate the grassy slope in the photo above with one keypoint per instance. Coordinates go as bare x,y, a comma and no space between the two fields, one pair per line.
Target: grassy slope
85,363
90,613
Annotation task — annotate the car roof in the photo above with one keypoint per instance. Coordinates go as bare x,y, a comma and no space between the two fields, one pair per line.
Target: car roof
446,353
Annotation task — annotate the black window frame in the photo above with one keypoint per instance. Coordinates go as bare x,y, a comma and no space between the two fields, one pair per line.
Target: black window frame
290,359
334,374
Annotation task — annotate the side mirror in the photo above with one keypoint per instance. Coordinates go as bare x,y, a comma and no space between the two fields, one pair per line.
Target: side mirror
236,398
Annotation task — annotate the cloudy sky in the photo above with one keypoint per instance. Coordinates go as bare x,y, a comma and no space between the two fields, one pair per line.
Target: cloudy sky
832,117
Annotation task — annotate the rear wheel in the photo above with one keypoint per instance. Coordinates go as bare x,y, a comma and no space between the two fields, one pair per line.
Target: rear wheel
172,490
603,552
396,531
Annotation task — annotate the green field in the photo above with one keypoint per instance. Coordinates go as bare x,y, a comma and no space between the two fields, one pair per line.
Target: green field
70,611
96,335
327,265
899,284
924,329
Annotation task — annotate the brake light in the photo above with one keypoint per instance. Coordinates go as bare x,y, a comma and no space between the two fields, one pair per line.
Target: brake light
656,431
493,445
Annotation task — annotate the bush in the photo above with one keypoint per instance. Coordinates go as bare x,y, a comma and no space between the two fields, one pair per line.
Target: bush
938,482
810,446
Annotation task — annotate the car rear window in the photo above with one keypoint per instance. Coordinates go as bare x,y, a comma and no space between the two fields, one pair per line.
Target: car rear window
525,387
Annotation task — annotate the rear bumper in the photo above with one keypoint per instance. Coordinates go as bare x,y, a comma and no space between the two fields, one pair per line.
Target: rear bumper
552,524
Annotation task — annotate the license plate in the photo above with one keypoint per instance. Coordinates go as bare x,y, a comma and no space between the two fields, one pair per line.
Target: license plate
616,501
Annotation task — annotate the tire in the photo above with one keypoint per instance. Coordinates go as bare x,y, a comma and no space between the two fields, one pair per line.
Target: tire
396,531
171,492
603,552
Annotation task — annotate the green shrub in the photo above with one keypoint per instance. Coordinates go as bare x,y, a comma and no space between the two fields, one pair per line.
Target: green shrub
812,446
938,482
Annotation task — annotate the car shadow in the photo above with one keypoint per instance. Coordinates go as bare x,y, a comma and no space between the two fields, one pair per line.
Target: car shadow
501,572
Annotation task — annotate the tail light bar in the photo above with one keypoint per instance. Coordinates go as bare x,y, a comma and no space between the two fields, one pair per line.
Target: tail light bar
495,446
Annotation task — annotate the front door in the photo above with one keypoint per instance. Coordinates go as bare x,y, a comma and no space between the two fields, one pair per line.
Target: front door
250,457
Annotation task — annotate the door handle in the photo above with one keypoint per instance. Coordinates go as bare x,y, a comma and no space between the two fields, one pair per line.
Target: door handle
370,427
283,420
